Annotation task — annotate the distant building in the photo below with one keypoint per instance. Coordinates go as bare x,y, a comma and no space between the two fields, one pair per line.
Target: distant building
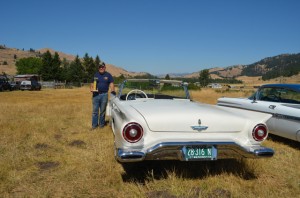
19,78
215,86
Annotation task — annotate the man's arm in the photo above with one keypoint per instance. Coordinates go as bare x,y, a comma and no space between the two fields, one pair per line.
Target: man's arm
92,87
112,88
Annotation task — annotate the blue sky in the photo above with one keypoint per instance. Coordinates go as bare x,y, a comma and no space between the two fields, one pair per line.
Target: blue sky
156,36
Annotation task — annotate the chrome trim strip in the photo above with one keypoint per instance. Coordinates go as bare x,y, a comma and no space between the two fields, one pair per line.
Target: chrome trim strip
297,106
275,115
199,128
173,151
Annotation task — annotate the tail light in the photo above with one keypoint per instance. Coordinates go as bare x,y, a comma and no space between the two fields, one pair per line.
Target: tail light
260,132
132,132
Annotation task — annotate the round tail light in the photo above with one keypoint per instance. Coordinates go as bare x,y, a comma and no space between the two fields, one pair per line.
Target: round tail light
132,132
260,132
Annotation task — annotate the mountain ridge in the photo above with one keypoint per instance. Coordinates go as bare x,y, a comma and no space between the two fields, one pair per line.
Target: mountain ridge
9,56
267,66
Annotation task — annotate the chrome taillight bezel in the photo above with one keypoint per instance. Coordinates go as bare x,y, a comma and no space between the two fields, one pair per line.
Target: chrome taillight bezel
133,127
260,132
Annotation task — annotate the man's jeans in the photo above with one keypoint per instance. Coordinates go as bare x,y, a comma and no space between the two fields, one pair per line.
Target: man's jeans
99,101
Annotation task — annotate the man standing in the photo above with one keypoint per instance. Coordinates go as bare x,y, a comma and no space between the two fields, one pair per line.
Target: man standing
103,81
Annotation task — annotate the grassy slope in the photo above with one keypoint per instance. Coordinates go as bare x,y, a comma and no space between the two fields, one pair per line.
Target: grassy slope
47,150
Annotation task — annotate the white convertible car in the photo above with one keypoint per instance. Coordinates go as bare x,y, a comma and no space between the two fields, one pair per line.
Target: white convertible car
280,100
157,120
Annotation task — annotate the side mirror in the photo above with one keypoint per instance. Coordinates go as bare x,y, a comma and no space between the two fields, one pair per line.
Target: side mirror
254,98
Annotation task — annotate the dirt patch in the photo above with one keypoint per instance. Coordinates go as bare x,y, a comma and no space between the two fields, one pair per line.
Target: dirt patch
160,194
78,143
57,136
220,193
47,165
195,192
41,146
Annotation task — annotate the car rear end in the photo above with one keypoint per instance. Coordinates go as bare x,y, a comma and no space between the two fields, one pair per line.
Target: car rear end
25,85
184,130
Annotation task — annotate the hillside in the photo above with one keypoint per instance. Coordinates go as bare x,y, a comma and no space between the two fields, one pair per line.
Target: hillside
62,55
267,69
271,68
9,57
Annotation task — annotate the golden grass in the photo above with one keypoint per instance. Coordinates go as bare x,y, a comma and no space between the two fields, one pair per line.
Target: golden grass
47,150
210,96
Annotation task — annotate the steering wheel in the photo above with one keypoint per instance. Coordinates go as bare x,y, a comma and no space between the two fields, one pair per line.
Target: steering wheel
136,91
273,97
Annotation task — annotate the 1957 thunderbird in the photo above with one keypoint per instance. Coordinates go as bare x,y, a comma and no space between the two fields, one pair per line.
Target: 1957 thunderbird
280,100
157,120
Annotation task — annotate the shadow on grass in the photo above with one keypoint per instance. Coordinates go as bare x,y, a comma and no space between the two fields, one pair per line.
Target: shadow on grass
147,170
282,140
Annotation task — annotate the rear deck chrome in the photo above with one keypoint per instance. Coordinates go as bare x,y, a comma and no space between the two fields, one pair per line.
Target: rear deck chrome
173,151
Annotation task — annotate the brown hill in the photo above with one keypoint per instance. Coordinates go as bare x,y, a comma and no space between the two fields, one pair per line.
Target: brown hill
9,57
257,80
211,71
118,71
230,72
62,55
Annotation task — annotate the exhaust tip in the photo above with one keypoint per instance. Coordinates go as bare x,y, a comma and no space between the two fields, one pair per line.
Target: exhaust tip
264,152
130,156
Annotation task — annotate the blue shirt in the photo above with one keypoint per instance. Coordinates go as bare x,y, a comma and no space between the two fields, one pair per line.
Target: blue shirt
103,81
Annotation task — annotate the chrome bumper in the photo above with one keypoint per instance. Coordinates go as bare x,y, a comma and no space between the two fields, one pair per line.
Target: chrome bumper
173,151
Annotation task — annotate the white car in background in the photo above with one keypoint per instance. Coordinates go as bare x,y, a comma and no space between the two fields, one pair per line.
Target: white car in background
157,120
30,85
282,101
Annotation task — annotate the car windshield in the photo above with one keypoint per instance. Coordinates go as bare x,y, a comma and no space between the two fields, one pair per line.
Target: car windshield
157,89
277,94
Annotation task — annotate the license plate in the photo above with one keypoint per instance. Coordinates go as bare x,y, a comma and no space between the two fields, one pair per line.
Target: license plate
200,153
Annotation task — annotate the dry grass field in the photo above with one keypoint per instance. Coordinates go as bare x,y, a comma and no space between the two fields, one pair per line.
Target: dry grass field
48,150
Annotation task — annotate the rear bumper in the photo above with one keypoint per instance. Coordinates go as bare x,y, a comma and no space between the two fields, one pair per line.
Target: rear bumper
25,88
174,151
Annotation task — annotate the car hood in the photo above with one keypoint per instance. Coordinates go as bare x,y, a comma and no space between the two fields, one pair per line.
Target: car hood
182,115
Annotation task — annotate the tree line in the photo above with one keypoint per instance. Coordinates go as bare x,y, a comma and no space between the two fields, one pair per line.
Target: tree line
51,68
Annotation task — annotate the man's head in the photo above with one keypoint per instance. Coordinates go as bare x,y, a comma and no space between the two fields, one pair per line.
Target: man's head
102,67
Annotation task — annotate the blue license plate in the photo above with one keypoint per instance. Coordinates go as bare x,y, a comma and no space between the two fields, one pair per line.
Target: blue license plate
199,153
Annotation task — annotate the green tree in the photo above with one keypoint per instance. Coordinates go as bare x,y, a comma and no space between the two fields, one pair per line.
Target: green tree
204,77
46,72
97,62
30,65
65,70
89,67
51,66
167,77
76,71
119,79
56,69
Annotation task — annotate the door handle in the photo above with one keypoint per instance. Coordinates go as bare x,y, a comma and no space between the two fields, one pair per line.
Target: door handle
272,106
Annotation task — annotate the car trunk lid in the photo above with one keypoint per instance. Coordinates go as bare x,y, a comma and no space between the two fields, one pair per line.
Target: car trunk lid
183,115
